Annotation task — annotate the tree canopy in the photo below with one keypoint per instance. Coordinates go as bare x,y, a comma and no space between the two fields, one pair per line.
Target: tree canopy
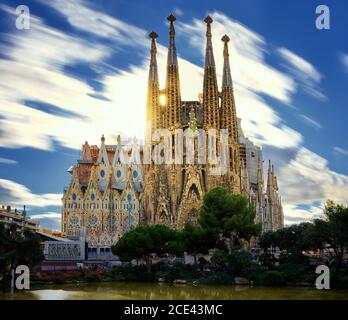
17,248
197,240
330,233
144,240
229,215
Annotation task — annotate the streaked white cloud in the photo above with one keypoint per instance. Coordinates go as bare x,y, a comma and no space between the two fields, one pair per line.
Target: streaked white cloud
294,214
49,215
50,220
311,122
17,195
97,23
307,179
7,161
341,151
303,71
178,12
344,60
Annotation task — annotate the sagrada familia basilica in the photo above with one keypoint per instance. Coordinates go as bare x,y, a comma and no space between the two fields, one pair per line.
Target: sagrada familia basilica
113,188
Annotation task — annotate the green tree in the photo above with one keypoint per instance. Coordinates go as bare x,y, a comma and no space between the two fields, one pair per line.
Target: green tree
228,215
145,240
293,240
17,248
197,240
331,232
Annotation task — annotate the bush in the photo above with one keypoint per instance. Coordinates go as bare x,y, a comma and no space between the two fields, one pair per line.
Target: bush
181,271
239,263
255,272
136,273
273,278
292,272
219,278
339,279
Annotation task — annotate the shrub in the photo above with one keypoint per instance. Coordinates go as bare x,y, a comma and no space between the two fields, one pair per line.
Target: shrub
339,279
181,271
218,278
273,278
293,272
239,263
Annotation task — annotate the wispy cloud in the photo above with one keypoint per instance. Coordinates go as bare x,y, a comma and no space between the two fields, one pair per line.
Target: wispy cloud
98,23
178,12
344,60
311,122
307,178
294,214
341,151
304,72
7,161
48,215
17,195
50,220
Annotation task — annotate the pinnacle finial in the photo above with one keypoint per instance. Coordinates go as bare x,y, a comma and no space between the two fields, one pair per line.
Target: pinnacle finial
102,138
153,35
171,18
225,38
208,20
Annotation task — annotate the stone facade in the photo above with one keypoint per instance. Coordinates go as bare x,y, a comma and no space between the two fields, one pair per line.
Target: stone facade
114,188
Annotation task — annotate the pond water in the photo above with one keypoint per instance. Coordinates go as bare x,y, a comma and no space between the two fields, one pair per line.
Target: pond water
154,291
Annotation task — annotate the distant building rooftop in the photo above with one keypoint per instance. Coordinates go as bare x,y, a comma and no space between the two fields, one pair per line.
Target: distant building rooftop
13,216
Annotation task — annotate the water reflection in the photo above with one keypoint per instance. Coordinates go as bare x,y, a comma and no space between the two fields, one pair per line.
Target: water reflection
152,291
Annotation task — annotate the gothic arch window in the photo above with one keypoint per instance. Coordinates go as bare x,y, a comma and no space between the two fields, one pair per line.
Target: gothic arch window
193,192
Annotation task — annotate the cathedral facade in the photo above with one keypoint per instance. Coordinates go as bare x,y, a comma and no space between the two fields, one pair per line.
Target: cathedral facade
114,187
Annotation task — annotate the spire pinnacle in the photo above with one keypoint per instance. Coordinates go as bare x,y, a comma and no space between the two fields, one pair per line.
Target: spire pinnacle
172,113
225,38
153,35
226,76
208,20
172,58
209,56
153,72
171,18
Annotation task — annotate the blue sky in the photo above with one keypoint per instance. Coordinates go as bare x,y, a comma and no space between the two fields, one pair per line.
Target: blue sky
80,71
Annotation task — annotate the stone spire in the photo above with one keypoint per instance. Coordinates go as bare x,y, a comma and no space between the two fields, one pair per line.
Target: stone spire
228,114
153,111
153,72
270,181
173,96
172,57
210,87
226,76
260,177
209,55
